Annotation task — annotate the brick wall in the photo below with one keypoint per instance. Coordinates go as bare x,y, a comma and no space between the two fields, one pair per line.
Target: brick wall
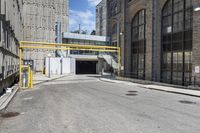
196,42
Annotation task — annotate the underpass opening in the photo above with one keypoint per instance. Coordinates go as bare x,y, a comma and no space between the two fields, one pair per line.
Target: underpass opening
86,64
86,67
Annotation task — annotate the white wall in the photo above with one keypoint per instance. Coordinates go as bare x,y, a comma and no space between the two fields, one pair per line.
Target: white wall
68,65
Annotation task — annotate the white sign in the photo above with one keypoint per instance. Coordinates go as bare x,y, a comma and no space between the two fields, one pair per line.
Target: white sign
122,68
169,29
197,69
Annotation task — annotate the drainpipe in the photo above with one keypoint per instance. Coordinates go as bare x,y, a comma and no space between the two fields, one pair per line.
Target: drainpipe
155,61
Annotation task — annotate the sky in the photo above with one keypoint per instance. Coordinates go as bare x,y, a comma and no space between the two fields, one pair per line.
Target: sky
82,12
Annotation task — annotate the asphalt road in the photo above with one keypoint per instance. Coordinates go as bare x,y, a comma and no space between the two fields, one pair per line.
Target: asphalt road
83,104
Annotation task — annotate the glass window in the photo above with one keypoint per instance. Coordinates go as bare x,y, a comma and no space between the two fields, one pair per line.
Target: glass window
177,40
114,29
138,45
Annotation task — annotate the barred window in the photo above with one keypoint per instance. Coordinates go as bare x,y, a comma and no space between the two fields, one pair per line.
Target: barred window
177,42
138,45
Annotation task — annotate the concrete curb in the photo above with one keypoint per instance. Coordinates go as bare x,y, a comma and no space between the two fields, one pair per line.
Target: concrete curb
147,82
175,91
7,98
45,81
108,80
112,81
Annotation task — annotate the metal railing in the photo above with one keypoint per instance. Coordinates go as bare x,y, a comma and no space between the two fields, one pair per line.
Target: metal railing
188,81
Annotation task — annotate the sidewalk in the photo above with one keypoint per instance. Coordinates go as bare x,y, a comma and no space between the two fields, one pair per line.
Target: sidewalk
194,93
7,97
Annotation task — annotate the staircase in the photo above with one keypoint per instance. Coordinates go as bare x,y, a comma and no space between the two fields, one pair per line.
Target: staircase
110,58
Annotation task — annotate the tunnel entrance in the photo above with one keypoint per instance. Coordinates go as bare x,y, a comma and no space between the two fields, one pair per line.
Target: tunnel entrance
86,67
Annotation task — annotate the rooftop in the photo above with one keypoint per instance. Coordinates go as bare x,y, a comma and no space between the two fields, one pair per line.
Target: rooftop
68,35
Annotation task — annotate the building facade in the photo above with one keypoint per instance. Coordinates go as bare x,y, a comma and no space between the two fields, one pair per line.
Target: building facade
40,18
161,40
116,25
11,32
89,62
101,18
28,20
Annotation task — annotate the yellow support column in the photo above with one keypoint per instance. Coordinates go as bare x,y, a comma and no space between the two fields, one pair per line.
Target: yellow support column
31,79
20,67
119,60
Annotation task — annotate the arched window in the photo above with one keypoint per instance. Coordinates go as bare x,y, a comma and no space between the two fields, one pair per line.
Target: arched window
177,42
138,46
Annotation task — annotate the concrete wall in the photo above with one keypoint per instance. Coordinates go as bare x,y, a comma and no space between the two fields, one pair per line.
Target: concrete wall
40,17
58,65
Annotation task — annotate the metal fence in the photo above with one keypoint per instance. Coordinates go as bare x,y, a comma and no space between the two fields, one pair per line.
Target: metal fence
188,81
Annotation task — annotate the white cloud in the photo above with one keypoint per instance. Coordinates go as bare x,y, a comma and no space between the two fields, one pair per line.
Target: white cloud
93,2
84,18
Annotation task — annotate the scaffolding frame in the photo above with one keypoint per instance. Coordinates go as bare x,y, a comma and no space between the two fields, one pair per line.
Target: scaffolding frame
64,47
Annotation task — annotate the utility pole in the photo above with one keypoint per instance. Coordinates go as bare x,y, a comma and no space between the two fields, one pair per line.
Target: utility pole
79,29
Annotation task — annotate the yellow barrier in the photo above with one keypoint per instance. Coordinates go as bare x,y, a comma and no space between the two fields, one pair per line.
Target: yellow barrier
56,46
26,77
31,80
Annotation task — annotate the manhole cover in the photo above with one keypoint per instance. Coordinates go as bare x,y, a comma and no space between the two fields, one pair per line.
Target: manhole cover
132,91
187,102
131,94
9,114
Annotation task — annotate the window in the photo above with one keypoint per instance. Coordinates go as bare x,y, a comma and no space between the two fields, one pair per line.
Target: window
0,29
115,7
114,29
138,45
1,65
177,42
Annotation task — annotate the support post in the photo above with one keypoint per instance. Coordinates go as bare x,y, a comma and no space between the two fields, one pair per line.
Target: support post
49,68
31,79
119,60
20,66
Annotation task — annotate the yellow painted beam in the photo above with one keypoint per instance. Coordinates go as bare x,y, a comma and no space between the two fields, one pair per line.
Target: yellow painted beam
57,48
119,61
67,45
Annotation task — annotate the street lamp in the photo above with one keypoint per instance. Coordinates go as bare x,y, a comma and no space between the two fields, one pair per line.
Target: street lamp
121,33
49,75
61,65
196,7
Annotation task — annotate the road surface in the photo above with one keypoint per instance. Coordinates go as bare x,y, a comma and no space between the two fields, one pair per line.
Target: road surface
84,104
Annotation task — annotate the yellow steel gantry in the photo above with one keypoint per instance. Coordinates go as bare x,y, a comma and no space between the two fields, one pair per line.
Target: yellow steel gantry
58,46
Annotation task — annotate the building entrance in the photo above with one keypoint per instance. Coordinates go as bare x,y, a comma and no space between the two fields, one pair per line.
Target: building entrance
83,67
86,67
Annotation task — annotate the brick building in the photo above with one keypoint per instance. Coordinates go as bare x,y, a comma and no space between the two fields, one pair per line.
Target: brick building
11,32
159,38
